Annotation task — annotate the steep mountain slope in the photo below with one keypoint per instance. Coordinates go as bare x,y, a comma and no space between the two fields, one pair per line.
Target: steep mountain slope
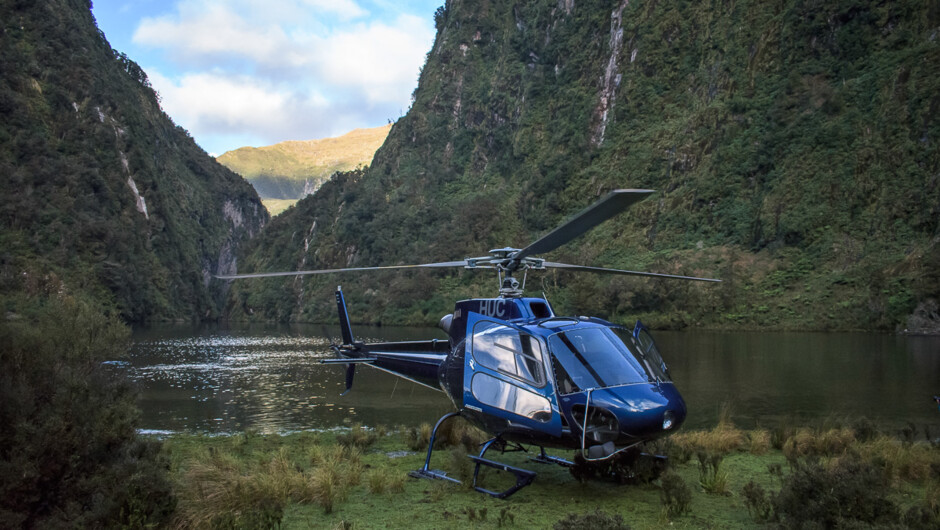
102,193
793,145
294,169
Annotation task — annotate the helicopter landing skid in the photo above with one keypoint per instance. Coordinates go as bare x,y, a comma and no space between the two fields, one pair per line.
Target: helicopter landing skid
543,458
524,477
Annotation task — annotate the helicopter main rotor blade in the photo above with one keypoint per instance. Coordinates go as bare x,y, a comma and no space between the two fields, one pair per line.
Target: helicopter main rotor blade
602,210
553,265
443,264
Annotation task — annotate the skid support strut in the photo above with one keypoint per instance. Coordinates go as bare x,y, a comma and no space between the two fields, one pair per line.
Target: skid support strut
524,477
426,471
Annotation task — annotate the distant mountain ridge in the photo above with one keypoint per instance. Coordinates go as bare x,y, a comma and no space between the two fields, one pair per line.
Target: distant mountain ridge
104,197
293,169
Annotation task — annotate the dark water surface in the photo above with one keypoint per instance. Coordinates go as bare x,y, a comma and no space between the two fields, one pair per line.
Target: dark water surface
229,378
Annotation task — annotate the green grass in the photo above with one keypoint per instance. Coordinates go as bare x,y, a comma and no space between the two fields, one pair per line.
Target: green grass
309,480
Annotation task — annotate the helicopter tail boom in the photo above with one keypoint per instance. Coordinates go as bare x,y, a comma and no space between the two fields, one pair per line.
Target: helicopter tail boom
417,361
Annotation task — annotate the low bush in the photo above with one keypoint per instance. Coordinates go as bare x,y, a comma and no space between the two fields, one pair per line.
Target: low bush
596,520
675,494
758,503
847,491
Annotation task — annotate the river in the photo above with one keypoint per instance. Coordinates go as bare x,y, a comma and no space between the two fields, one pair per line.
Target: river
233,377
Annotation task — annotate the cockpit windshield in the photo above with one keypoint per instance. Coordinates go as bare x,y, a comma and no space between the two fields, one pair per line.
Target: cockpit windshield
600,357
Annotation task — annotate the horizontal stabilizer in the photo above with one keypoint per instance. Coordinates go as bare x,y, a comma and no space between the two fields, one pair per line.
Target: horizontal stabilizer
361,360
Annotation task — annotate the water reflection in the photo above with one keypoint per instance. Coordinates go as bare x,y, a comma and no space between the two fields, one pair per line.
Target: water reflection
230,378
770,378
225,379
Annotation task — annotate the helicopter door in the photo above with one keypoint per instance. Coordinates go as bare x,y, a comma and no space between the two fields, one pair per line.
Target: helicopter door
506,376
650,352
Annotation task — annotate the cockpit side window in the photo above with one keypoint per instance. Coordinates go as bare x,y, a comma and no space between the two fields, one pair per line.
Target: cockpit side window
510,351
646,351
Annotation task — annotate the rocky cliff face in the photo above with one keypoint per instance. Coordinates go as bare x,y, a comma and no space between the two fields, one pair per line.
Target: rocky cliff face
103,194
793,145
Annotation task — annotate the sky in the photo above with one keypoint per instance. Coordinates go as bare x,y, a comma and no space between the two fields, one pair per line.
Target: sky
236,73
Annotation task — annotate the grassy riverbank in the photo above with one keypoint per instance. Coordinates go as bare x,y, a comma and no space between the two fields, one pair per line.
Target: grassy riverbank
724,477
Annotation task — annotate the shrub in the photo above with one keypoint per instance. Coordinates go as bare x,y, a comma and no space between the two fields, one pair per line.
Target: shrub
70,455
848,491
757,502
596,520
675,494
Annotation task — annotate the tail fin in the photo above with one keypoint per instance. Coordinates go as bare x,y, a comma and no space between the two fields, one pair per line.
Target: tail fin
343,316
346,330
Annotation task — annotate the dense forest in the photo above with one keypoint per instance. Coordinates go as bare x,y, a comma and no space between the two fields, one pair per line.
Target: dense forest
104,197
793,147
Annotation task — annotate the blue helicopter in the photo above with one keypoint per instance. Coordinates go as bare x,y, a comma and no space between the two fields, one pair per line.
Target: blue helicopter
527,376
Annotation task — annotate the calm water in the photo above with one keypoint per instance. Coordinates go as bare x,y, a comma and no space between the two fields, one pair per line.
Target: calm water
234,377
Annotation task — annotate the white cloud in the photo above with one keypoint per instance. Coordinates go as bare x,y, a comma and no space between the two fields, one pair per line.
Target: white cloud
214,103
201,33
346,9
380,60
293,69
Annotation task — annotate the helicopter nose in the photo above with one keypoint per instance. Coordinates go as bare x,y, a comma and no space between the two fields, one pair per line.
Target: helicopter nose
645,411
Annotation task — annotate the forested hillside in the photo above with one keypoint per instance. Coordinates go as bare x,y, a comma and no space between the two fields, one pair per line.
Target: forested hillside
291,170
794,147
103,196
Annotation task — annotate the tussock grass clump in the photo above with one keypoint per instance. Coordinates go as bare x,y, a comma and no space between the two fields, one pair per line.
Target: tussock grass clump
417,438
358,436
712,478
902,461
809,442
758,441
328,487
240,489
723,439
459,432
460,466
219,493
385,481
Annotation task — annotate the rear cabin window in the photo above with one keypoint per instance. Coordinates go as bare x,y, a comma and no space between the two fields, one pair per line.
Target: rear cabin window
509,351
502,395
